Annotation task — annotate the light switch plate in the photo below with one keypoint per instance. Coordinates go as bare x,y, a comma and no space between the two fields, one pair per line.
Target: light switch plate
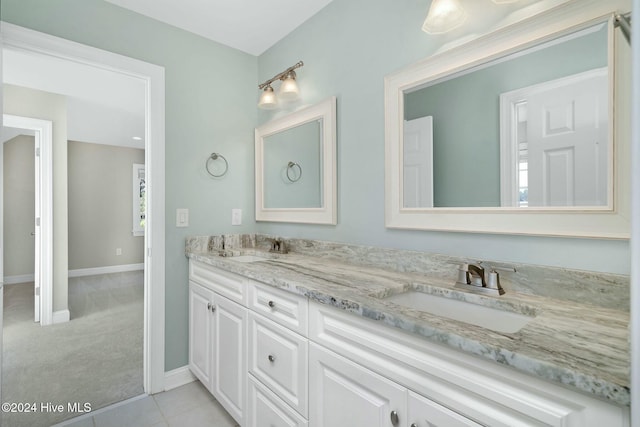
182,217
236,216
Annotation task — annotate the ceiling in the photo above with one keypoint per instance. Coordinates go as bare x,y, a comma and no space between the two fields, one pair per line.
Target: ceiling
251,26
103,107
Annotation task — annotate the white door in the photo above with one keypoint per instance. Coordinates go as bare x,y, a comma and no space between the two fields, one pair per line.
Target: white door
567,137
418,163
426,413
230,356
344,394
200,321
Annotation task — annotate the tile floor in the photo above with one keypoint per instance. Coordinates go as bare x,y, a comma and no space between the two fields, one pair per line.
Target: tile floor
185,406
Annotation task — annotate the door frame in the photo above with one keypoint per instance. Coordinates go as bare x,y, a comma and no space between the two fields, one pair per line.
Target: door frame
37,43
44,208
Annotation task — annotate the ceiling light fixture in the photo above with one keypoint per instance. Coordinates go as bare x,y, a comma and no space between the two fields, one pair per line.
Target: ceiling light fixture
289,90
443,16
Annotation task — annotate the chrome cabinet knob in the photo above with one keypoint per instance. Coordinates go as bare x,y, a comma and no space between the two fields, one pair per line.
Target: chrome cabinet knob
394,418
271,358
213,308
271,304
209,306
413,425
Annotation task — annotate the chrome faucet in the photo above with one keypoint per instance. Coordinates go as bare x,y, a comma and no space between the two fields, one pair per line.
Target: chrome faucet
471,277
278,245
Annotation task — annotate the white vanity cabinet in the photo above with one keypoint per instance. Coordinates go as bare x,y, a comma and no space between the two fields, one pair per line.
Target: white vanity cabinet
345,394
442,387
278,357
217,335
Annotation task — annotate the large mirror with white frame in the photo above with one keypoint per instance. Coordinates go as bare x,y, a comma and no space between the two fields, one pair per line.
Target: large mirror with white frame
522,131
295,166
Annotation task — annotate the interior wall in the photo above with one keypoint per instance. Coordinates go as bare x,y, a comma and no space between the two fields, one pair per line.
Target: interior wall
348,48
37,104
19,203
101,205
211,98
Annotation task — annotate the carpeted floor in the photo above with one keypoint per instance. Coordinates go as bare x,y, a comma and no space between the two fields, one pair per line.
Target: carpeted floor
95,358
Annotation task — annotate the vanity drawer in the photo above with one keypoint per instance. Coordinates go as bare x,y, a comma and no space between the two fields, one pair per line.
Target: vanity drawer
282,307
226,284
267,409
278,358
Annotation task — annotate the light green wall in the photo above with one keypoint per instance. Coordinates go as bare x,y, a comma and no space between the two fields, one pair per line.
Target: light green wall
301,145
466,116
211,97
347,49
101,205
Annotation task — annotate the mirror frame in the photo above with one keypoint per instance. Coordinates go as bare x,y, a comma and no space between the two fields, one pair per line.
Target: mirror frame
612,221
328,212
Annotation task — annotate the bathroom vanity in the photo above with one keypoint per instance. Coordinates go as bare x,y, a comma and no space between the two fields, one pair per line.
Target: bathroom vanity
318,337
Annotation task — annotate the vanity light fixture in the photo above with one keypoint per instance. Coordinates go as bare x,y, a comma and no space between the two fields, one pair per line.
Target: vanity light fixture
289,90
443,16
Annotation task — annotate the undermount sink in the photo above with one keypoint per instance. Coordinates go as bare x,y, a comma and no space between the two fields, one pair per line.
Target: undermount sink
497,320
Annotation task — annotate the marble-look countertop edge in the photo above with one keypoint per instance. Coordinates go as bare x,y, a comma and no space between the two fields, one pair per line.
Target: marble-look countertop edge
587,383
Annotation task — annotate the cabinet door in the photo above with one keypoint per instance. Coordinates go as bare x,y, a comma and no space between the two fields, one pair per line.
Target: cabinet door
344,394
426,413
230,356
264,408
200,321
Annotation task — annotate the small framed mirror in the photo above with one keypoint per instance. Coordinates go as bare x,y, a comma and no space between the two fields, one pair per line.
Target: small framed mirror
296,166
522,131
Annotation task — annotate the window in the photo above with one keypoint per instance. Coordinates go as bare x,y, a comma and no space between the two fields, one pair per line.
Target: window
139,200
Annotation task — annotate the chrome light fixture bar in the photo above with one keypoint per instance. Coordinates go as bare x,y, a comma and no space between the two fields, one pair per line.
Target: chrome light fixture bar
289,90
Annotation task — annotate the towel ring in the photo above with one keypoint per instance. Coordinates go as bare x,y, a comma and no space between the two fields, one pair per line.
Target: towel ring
290,166
216,156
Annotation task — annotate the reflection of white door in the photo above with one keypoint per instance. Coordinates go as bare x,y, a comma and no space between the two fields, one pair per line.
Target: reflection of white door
418,163
568,143
566,149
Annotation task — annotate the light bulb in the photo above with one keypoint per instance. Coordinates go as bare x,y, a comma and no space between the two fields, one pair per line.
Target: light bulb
443,16
268,99
289,90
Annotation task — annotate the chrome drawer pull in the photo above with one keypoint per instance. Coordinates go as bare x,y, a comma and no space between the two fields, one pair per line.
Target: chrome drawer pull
394,418
271,358
272,304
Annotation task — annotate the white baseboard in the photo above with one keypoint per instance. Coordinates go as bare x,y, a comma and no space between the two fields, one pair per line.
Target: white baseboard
178,377
61,316
105,270
22,278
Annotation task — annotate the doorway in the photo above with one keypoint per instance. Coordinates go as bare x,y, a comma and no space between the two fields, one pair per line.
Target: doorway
42,212
19,39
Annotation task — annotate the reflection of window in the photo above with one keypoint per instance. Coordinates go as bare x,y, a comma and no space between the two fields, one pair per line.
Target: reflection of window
139,200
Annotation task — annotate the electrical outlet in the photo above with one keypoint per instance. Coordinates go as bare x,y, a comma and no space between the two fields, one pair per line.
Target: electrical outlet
236,216
118,251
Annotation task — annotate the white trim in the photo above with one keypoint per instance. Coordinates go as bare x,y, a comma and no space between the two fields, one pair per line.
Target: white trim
44,208
61,316
178,377
25,40
575,222
634,330
81,272
20,278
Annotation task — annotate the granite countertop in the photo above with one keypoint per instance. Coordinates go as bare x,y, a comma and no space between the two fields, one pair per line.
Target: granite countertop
579,345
